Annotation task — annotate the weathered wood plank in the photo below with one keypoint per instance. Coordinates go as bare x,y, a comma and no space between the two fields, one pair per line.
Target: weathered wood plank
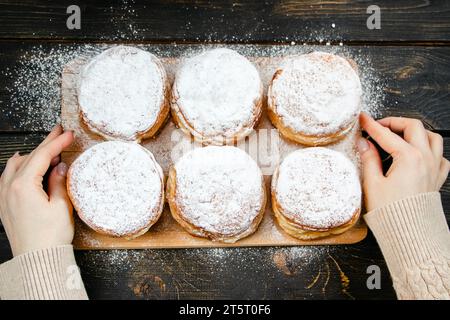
231,21
413,80
327,272
23,143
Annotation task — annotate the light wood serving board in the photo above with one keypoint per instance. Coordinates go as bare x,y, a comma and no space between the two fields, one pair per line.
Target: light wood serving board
172,143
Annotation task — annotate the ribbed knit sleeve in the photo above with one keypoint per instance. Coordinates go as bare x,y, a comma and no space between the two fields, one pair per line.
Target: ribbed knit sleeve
45,274
415,240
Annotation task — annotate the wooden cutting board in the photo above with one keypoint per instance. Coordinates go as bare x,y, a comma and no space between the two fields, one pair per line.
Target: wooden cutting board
166,233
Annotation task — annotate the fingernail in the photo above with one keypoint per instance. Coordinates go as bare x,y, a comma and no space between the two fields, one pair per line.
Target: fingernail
16,154
363,145
62,169
55,161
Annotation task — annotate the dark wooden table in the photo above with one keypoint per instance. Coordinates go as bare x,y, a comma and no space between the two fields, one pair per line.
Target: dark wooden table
411,51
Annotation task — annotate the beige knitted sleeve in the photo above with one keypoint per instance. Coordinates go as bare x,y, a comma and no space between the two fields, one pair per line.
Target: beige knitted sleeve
415,240
43,274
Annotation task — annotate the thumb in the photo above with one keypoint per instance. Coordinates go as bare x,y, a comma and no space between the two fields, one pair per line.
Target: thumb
57,185
371,161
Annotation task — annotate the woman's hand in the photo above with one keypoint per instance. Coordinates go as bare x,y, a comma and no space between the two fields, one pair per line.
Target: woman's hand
32,218
418,164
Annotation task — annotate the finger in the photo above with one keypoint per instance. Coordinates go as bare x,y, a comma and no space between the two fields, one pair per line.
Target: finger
387,140
12,165
56,131
412,130
443,172
371,161
436,144
55,161
21,160
40,159
57,191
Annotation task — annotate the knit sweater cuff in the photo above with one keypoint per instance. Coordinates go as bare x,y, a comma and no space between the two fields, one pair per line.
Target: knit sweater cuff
411,231
50,273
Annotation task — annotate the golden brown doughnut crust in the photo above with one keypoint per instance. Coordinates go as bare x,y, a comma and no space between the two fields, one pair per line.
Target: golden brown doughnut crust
307,140
304,232
177,214
183,123
307,233
299,137
129,236
151,131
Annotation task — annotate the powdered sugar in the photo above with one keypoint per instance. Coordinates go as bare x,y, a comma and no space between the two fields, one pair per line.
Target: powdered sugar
121,91
33,83
217,91
318,187
117,187
316,94
219,189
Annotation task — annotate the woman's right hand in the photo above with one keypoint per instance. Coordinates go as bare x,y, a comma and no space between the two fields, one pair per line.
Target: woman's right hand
418,164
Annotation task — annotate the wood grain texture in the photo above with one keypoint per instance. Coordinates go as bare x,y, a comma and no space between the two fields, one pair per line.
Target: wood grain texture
229,21
18,142
325,272
414,81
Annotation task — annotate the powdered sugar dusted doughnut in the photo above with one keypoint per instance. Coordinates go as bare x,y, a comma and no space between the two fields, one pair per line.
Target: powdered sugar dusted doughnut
316,192
217,193
123,94
117,188
314,99
217,97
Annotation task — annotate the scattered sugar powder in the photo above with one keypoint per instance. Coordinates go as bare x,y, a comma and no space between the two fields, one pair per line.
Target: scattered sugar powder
117,187
299,256
115,261
219,189
217,91
318,187
123,22
216,260
34,83
121,91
